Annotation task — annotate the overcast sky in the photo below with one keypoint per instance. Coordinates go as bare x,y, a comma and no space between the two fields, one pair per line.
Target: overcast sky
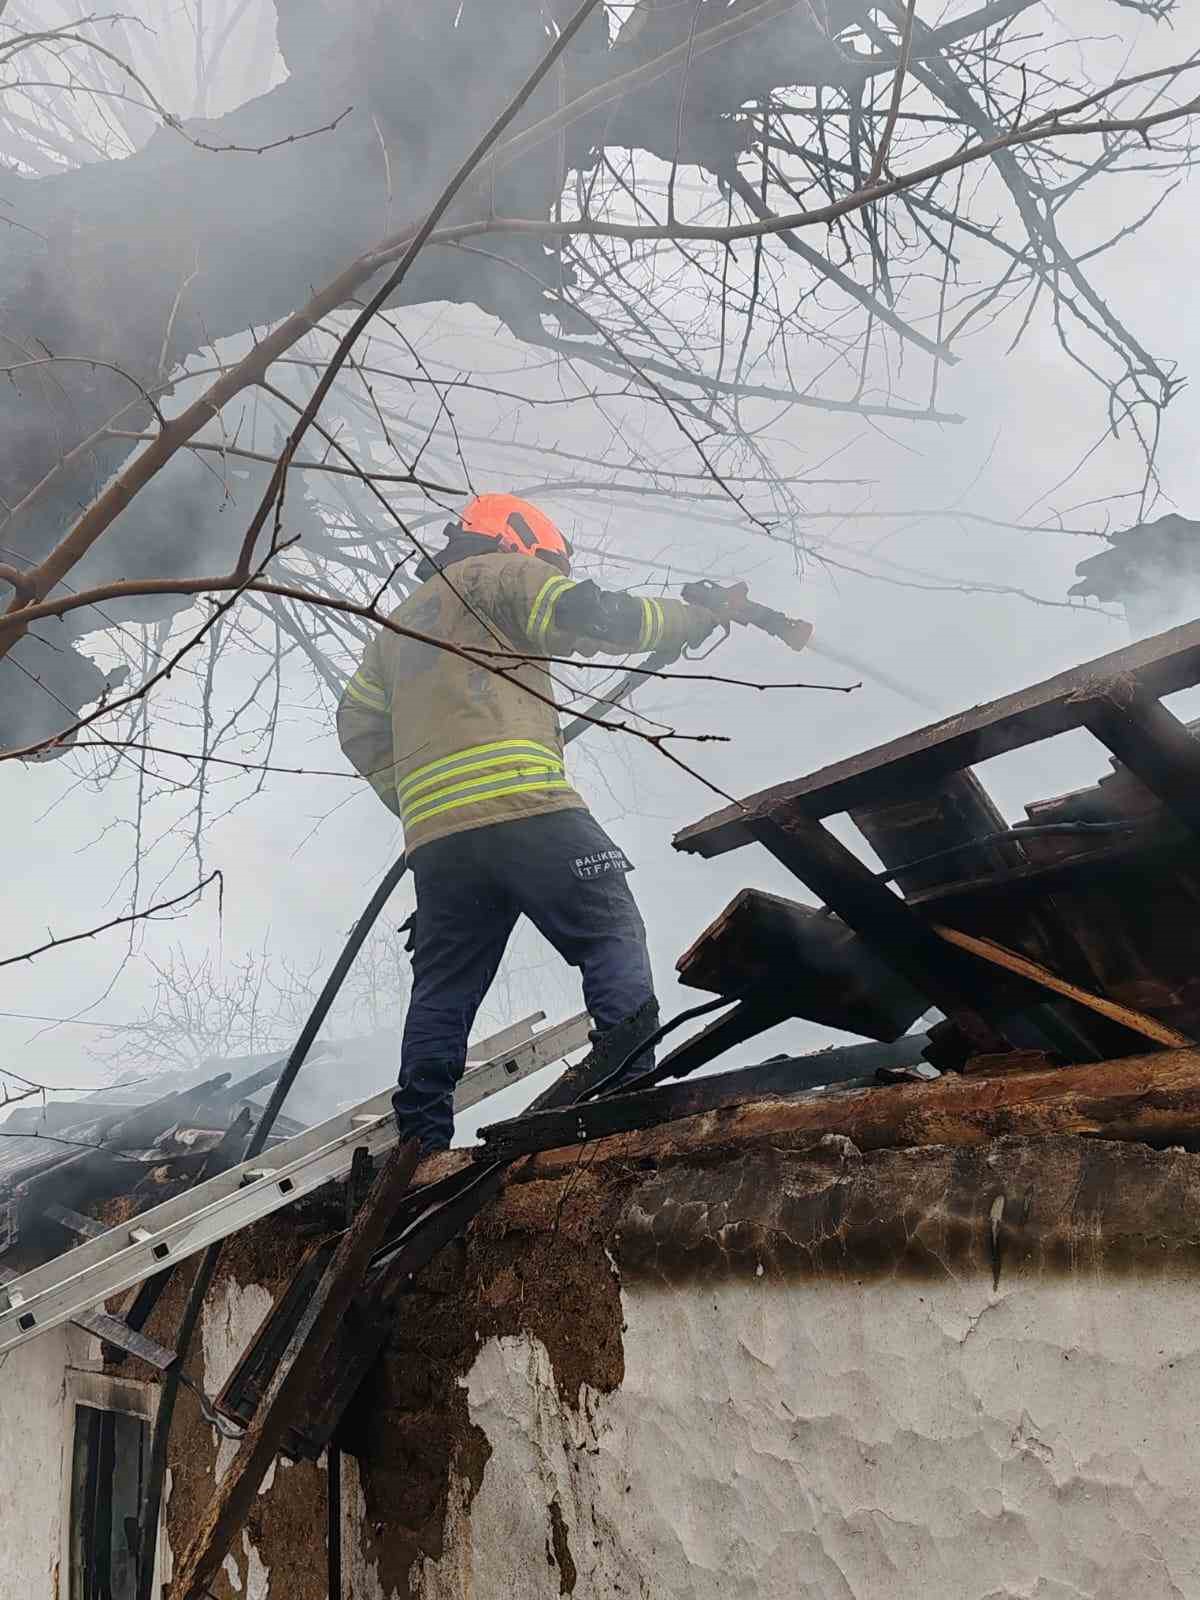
300,859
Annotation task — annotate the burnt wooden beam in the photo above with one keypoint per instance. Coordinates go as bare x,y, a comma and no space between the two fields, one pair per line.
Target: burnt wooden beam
956,815
811,964
1156,747
1160,665
649,1108
899,934
1090,864
235,1495
114,1332
74,1221
425,1222
251,1377
374,1311
1014,961
749,1017
1153,1099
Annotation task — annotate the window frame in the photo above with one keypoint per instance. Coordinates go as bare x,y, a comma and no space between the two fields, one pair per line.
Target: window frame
97,1391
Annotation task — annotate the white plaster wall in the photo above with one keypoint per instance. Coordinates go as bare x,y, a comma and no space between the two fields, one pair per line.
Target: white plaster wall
231,1316
33,1433
849,1442
360,1574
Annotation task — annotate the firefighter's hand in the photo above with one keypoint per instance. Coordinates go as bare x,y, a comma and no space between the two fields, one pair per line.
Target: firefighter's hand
721,599
701,622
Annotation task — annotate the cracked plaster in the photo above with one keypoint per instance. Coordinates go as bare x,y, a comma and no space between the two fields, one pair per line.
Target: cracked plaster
850,1442
829,1398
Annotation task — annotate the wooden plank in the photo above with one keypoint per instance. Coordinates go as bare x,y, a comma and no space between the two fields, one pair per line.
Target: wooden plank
1152,1098
251,1377
235,1495
120,1336
950,815
426,1218
460,1198
1156,747
1160,665
1024,967
649,1108
811,963
1089,864
114,1332
74,1221
898,933
748,1018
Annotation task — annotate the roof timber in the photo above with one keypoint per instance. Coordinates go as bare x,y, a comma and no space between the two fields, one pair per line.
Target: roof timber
1098,694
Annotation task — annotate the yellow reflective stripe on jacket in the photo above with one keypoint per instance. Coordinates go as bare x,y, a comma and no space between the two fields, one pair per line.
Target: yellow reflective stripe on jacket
490,766
366,692
541,612
451,795
474,752
654,624
481,772
410,820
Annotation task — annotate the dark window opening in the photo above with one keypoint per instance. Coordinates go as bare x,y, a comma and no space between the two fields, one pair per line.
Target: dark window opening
109,1462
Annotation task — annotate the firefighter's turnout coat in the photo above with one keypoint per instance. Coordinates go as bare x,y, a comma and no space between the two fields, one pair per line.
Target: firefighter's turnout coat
451,741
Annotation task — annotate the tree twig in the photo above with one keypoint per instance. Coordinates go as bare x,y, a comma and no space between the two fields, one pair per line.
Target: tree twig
117,922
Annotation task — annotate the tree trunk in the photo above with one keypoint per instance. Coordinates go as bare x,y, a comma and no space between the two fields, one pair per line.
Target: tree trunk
143,262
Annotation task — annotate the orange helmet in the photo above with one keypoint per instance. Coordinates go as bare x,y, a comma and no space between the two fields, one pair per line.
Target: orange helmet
517,527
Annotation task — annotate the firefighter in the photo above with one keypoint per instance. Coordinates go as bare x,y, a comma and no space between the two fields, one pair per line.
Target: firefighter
471,761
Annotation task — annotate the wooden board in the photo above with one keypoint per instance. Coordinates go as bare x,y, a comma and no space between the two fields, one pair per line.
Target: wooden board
949,815
810,962
1012,961
1160,665
945,977
1151,1098
672,1101
1155,746
236,1493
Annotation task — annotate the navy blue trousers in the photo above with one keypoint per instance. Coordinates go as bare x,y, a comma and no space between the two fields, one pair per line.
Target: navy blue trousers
564,873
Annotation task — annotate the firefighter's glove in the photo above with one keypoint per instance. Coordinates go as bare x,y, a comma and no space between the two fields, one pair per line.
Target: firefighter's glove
701,622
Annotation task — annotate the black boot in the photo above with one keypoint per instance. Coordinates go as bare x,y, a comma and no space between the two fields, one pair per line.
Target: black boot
424,1103
610,1048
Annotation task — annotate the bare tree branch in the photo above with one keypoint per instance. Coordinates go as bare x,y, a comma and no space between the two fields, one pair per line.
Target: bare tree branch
146,914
